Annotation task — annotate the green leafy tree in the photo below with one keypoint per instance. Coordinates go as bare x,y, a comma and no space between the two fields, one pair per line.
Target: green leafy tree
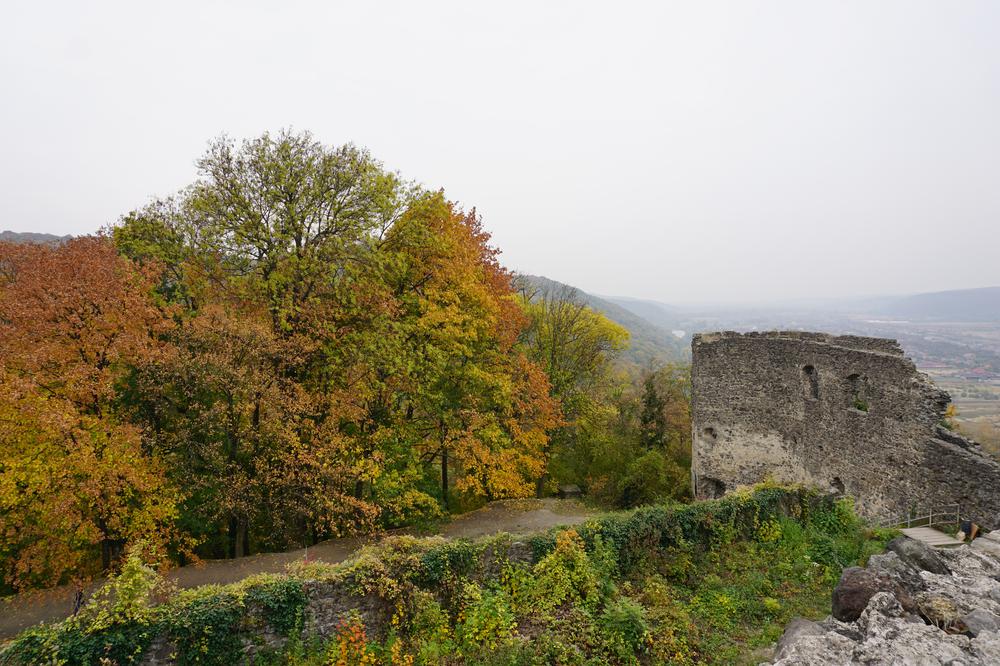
577,348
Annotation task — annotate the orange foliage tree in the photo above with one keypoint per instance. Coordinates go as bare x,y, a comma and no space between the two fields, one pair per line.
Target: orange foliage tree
76,484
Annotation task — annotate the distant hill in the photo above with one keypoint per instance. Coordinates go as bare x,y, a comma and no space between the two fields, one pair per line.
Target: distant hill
649,343
660,314
959,305
31,237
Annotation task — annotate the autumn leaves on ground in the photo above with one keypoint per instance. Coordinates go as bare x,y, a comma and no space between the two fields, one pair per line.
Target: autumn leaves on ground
300,345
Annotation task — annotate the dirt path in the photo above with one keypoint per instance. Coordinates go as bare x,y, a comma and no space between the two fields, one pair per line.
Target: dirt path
514,516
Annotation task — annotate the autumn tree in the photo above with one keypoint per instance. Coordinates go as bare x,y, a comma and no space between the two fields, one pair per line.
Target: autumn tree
77,484
576,347
270,253
479,406
341,331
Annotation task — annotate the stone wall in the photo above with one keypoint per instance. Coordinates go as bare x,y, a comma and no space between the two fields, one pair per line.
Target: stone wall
846,413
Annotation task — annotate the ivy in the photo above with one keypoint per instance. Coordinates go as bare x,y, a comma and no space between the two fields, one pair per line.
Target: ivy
656,584
206,630
283,602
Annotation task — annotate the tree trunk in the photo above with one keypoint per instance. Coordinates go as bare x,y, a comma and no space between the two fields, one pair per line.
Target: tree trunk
231,538
105,554
444,479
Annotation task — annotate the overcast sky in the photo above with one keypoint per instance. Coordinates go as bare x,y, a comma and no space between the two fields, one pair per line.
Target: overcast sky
680,151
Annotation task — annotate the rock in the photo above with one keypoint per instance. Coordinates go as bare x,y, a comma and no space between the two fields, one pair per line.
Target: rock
979,621
987,546
829,649
874,619
918,555
986,647
570,491
890,565
795,630
857,586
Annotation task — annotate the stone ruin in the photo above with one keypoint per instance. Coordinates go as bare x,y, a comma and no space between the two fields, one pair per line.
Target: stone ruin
845,413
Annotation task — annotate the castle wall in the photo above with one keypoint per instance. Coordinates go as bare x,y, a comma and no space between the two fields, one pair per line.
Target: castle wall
847,413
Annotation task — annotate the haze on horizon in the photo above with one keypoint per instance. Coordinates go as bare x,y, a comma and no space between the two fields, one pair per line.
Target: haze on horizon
682,152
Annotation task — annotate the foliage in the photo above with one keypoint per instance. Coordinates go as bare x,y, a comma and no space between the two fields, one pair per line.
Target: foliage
76,481
345,352
298,346
703,583
623,624
566,575
485,621
625,439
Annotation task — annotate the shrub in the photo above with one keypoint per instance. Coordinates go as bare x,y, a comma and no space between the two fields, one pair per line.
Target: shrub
705,582
282,601
566,575
486,621
206,629
624,627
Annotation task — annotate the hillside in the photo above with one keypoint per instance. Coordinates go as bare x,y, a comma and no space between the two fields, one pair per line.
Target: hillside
968,305
659,314
649,343
30,237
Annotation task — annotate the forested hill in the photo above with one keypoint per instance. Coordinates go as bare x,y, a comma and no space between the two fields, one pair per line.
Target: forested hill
649,344
659,314
30,237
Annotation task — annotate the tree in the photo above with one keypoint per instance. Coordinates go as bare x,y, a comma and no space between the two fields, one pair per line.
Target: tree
576,348
340,332
77,484
479,404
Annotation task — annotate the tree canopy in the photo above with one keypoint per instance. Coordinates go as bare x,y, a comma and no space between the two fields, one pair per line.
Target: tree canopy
299,345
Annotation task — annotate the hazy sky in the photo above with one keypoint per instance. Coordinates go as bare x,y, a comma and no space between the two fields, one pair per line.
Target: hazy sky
680,151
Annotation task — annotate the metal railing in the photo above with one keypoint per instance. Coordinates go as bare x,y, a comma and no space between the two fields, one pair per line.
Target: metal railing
947,514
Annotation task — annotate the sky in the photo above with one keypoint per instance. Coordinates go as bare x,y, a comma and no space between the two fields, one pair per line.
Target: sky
685,152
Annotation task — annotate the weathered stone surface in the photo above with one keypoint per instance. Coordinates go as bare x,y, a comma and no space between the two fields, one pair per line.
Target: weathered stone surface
857,586
797,629
846,413
888,564
918,555
959,617
979,621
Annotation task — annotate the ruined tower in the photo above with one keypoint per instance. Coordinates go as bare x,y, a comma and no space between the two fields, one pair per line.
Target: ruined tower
845,413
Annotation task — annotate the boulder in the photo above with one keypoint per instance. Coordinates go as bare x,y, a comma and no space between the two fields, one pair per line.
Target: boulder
918,555
856,586
890,565
570,491
898,612
795,630
979,621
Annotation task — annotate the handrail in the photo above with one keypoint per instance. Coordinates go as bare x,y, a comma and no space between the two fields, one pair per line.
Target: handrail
946,514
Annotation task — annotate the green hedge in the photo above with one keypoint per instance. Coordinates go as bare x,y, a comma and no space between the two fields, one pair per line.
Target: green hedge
205,625
209,625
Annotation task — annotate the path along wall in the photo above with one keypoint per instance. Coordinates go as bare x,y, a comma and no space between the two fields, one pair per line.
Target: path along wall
846,413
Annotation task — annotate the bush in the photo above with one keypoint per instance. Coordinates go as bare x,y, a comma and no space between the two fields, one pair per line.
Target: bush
624,627
486,621
566,575
282,602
